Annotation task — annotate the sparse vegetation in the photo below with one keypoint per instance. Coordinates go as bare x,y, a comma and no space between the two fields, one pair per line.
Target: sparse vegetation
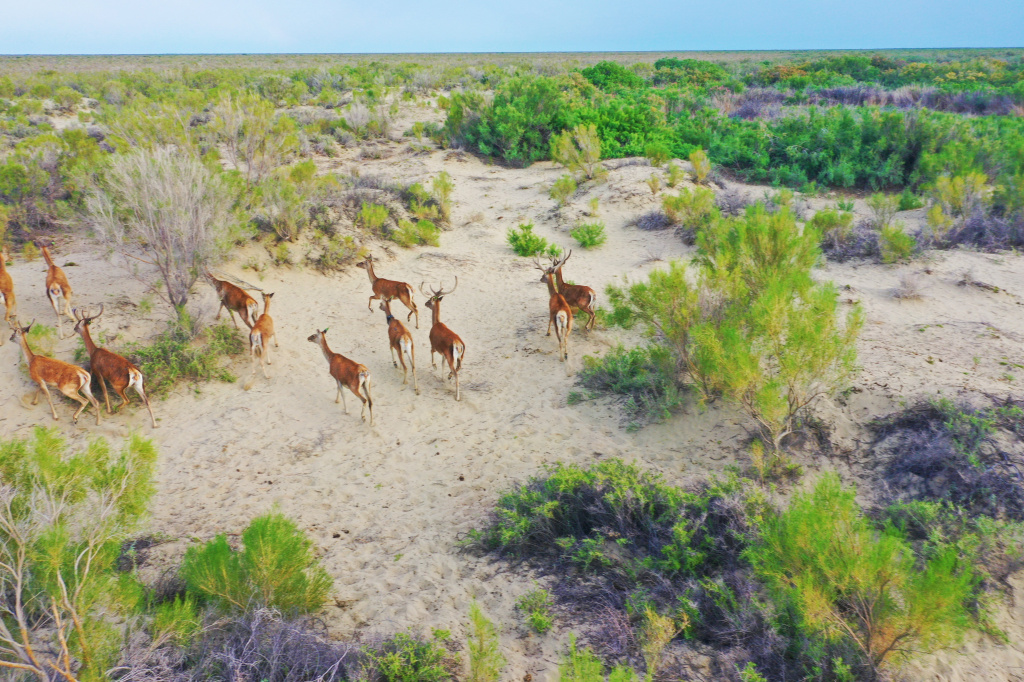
563,189
589,235
579,150
527,244
536,607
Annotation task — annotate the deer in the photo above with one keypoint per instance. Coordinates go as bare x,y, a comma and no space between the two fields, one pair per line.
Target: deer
442,339
57,287
260,335
578,297
7,291
236,300
69,379
111,367
346,373
388,290
401,341
560,313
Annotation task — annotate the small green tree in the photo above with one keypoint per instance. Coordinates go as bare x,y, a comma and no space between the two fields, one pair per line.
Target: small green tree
485,659
441,187
63,518
883,209
579,150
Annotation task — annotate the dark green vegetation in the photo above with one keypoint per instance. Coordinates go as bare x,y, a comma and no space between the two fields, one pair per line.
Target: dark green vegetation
815,588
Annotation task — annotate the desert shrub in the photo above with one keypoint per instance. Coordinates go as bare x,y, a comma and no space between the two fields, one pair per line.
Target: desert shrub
276,568
405,657
527,244
701,166
563,189
579,150
582,665
421,232
883,208
676,175
589,235
841,578
536,606
645,378
485,659
658,153
895,245
835,228
654,182
335,253
179,354
372,216
63,518
441,188
281,207
961,195
909,201
691,209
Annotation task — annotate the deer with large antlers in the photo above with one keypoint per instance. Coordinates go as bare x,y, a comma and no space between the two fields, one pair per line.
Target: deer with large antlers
560,314
401,341
6,291
57,287
347,374
388,290
69,379
578,297
442,339
235,299
260,335
107,366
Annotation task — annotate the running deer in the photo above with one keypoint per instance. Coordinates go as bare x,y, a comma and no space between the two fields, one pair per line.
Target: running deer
401,341
107,366
577,296
57,287
260,335
68,378
346,373
442,339
560,312
388,290
236,300
6,292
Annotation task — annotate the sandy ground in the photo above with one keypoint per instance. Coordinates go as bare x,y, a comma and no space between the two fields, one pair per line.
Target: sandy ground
388,504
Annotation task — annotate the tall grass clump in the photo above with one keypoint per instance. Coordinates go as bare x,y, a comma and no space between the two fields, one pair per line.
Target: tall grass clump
372,216
701,166
63,518
895,245
276,568
441,188
563,189
589,235
527,244
692,210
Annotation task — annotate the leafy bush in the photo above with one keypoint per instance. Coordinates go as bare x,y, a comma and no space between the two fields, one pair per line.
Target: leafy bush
276,568
537,607
407,658
63,520
841,578
645,377
485,659
692,209
654,182
835,228
909,201
701,166
883,208
176,355
372,216
441,188
527,244
562,189
421,232
335,253
579,150
589,235
658,153
896,245
581,665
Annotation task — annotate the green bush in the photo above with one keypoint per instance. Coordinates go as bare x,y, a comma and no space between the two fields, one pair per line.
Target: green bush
658,153
834,226
485,659
441,188
579,150
563,189
276,568
581,665
589,235
693,209
406,658
536,606
675,175
645,377
896,245
909,201
841,578
701,166
527,244
372,216
883,208
63,521
421,232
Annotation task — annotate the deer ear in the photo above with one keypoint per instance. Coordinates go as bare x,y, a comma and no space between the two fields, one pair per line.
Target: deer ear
325,330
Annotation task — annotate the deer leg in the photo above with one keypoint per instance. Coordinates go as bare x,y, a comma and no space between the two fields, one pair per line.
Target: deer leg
106,396
123,392
549,326
49,398
56,310
142,394
67,308
83,403
95,403
344,403
405,370
433,365
392,348
369,304
414,312
265,355
276,344
412,361
219,308
365,384
590,322
458,393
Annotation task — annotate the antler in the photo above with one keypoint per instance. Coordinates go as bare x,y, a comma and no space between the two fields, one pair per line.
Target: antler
556,263
442,292
84,316
432,292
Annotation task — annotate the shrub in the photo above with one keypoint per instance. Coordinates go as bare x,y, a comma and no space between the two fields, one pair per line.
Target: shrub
654,182
701,166
589,235
883,208
581,665
421,232
675,175
692,209
579,150
896,245
527,244
645,377
843,579
335,254
372,216
276,568
441,188
909,201
537,607
835,228
63,519
658,153
406,658
485,659
961,195
175,356
563,188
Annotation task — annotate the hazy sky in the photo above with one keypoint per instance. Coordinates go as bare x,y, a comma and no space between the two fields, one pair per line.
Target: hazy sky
212,26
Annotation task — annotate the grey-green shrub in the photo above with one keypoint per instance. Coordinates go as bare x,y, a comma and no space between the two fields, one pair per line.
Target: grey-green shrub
421,232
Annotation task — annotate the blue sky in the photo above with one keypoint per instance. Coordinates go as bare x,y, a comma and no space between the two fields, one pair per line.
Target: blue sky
232,26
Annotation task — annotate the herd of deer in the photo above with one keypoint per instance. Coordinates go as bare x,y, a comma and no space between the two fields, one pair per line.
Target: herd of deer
75,382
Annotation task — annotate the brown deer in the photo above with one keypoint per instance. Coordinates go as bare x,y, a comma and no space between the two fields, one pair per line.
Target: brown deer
389,289
560,314
260,335
68,378
107,366
57,287
236,300
401,341
7,292
347,374
577,296
442,339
